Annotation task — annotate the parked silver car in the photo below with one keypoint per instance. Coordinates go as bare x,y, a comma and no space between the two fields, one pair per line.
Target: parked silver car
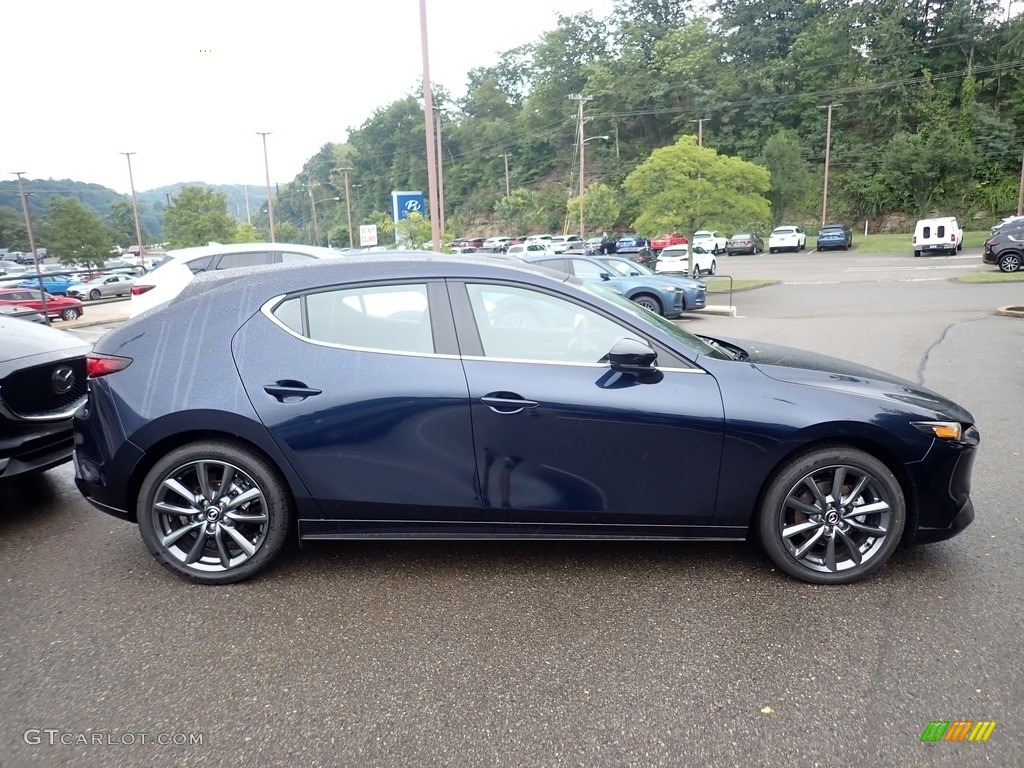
102,286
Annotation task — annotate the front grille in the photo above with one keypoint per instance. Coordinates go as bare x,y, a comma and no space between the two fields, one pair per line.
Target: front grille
34,393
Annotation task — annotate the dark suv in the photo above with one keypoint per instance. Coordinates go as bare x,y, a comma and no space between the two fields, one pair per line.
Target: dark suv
1005,249
42,383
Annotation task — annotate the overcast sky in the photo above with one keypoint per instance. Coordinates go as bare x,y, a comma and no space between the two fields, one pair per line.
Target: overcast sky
186,85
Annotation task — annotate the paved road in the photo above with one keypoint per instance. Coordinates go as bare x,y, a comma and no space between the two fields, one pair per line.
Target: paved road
526,654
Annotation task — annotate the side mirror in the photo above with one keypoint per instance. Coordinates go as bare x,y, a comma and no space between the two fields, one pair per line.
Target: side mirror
632,356
606,276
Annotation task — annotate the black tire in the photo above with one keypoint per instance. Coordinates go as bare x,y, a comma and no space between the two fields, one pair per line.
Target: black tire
960,245
650,302
714,267
799,542
917,254
94,294
771,250
204,528
1009,262
70,314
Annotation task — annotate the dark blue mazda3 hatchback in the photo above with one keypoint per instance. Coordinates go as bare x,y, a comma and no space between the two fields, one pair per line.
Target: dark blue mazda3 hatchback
423,396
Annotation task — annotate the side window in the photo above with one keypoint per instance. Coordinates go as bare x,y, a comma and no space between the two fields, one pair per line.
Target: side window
198,265
585,269
522,324
926,232
941,231
290,257
392,318
236,260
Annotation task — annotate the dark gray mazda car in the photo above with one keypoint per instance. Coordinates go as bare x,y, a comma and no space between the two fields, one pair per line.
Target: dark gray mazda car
42,383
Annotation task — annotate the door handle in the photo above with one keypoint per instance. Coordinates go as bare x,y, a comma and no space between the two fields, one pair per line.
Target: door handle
289,391
507,402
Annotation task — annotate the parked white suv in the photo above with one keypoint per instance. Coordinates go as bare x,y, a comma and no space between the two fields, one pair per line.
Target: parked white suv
170,276
942,234
787,238
710,241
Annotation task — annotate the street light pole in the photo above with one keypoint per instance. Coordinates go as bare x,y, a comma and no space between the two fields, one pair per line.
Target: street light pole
508,188
135,205
270,197
32,242
428,113
348,208
579,134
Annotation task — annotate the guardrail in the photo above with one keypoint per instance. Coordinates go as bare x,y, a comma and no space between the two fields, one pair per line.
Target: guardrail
708,278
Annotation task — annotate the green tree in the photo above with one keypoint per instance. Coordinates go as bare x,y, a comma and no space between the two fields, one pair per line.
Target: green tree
73,234
197,216
683,188
13,234
413,231
286,232
521,211
246,233
783,157
923,170
122,224
601,208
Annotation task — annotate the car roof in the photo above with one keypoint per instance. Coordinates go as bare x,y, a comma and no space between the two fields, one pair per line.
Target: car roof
179,254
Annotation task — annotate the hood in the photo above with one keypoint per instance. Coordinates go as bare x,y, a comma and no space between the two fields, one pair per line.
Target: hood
26,344
798,366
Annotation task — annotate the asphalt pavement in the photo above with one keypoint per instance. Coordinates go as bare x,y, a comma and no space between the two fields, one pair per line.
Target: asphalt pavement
554,654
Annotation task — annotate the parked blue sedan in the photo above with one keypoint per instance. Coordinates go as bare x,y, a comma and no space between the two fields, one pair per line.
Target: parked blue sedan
55,285
401,396
668,297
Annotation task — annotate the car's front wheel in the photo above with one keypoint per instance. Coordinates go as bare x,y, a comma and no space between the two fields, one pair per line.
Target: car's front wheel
649,302
94,294
1010,262
832,515
214,512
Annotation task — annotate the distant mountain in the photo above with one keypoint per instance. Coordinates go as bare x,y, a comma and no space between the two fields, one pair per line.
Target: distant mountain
98,199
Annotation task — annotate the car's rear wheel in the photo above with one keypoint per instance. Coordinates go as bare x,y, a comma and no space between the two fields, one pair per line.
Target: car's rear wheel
70,314
214,512
771,250
916,254
714,267
94,294
1009,262
649,302
832,515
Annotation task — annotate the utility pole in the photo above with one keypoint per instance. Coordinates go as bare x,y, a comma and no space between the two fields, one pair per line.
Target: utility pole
580,99
828,149
440,170
270,197
32,241
700,129
508,187
312,207
135,205
1020,193
428,114
348,208
245,191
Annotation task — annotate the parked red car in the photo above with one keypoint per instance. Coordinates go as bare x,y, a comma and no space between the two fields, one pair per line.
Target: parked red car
673,238
56,306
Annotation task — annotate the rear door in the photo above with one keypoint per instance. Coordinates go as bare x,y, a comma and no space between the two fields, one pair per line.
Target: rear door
361,386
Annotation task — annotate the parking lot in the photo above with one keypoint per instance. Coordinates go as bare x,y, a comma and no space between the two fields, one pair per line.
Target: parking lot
555,654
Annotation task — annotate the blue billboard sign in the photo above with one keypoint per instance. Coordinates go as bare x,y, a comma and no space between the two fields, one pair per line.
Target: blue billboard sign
405,203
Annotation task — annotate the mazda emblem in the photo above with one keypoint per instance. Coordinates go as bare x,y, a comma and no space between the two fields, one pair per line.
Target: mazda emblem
63,380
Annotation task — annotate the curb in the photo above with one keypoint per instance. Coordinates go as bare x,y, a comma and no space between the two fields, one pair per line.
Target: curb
1012,310
717,309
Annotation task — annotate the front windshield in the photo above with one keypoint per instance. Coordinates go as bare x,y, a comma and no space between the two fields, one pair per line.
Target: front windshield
644,316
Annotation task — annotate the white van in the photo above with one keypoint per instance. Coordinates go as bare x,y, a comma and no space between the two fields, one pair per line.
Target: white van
942,234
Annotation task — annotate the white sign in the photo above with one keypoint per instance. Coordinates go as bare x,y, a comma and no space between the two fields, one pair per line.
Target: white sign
367,234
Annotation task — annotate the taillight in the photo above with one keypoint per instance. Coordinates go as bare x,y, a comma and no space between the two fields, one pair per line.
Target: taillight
952,238
138,290
97,365
913,242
